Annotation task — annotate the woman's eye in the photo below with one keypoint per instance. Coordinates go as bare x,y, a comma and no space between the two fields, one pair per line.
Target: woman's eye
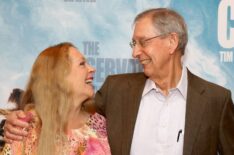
82,63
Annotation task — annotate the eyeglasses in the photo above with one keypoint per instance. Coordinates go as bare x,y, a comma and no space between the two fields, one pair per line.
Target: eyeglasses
143,43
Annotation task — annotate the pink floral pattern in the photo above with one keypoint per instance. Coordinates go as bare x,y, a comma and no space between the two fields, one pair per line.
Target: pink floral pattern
90,139
95,147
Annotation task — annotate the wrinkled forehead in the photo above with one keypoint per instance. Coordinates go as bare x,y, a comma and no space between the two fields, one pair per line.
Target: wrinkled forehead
144,28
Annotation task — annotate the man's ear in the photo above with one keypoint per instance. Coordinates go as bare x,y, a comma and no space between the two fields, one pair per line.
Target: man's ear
173,42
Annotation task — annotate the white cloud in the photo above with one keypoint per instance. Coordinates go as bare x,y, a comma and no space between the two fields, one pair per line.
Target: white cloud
142,5
17,76
204,63
60,20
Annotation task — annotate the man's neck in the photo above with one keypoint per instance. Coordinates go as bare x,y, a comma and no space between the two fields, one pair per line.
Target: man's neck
170,77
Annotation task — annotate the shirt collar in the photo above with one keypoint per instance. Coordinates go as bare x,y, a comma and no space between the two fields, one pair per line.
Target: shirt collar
149,85
181,86
183,83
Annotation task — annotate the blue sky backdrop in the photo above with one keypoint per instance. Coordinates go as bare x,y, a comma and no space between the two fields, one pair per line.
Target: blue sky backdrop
29,26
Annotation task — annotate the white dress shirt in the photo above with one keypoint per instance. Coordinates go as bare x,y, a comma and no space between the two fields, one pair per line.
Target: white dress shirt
159,127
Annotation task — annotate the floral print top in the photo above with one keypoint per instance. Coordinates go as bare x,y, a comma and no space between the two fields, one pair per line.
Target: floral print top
90,139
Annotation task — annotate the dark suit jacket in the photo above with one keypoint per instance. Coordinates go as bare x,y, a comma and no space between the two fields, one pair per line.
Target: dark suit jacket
209,122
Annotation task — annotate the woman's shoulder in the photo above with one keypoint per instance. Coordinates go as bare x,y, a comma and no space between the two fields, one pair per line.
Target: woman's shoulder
98,123
97,117
97,120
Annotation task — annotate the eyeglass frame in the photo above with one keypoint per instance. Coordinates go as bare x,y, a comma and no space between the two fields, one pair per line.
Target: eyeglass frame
142,43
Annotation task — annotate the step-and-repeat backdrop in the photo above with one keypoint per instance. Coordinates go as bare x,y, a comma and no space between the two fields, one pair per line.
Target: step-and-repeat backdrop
102,29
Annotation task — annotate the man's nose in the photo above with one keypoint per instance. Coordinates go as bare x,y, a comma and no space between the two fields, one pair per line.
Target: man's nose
136,51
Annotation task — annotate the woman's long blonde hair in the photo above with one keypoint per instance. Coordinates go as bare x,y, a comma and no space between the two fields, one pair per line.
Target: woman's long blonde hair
49,91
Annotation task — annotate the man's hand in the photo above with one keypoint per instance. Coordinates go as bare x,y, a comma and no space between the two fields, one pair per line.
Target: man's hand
14,125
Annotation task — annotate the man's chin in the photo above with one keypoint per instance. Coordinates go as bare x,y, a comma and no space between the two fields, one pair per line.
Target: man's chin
147,72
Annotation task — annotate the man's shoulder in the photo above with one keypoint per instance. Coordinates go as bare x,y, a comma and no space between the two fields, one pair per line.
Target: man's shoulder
208,85
122,80
126,76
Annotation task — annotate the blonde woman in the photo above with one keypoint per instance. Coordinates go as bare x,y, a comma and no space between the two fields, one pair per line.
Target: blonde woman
59,84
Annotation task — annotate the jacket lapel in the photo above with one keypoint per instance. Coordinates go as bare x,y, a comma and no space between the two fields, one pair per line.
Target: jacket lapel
194,111
130,110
